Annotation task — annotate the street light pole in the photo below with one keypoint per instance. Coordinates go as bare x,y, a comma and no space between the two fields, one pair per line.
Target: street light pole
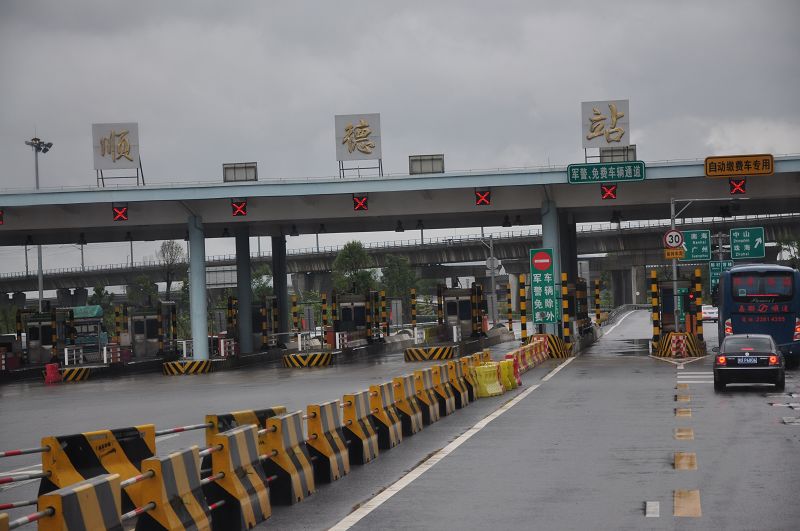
38,146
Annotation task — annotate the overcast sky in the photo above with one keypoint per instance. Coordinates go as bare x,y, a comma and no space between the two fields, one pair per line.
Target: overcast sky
494,85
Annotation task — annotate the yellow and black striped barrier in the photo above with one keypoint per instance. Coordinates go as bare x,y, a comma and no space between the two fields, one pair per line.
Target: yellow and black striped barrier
428,353
408,405
309,359
358,428
290,460
89,504
423,382
556,347
75,374
663,348
443,389
227,421
467,369
73,458
175,489
178,368
243,485
326,442
461,390
385,416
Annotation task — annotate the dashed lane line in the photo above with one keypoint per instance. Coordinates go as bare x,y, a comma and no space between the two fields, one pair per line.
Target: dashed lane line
686,503
357,515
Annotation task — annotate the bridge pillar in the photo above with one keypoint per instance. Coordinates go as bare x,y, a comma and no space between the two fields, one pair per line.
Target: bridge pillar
198,306
551,239
279,283
244,289
621,284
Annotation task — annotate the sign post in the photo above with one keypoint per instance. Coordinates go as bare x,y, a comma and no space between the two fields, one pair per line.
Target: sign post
544,299
747,243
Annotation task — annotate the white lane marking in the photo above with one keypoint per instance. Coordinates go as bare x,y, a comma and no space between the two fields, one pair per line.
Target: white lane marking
357,515
696,381
618,323
29,469
695,372
17,484
165,437
681,367
652,509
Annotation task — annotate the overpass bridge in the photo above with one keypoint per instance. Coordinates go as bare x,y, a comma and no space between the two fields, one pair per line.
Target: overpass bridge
276,208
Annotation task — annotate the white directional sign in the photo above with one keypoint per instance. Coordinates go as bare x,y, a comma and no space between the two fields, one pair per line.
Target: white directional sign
673,238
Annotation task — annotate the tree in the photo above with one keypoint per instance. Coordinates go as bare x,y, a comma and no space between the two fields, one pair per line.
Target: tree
8,318
262,283
142,292
171,254
352,269
105,300
397,277
789,249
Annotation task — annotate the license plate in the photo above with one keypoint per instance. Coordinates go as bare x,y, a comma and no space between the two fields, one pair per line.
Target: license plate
748,361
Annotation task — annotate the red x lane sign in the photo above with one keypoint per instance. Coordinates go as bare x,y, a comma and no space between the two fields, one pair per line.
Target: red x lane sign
360,202
120,213
738,185
238,207
483,197
608,191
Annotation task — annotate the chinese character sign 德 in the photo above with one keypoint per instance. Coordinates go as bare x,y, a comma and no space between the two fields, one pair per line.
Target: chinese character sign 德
605,123
358,136
115,146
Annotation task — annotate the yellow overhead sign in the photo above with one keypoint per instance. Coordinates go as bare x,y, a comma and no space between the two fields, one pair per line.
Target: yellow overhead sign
674,254
740,165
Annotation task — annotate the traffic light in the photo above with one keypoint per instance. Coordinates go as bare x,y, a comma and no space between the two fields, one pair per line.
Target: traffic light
238,207
483,197
360,202
608,191
738,185
692,309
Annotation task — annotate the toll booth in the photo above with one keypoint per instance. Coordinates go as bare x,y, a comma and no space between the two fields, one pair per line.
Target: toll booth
351,313
667,303
461,307
264,322
153,331
47,333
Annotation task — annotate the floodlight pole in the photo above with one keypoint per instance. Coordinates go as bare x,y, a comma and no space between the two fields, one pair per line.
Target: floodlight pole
38,145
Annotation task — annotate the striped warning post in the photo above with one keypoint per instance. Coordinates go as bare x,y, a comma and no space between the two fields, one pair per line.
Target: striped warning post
290,461
89,504
408,405
178,368
428,353
175,489
459,384
469,376
243,485
307,359
444,390
74,374
326,441
423,382
73,458
359,429
385,416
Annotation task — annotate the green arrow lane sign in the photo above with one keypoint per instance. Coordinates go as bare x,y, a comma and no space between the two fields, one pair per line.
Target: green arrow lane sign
697,244
747,243
606,172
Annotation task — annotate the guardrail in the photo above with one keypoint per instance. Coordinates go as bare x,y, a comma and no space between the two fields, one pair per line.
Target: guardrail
619,310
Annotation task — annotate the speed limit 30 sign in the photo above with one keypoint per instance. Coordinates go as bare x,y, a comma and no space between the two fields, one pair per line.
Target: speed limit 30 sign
673,238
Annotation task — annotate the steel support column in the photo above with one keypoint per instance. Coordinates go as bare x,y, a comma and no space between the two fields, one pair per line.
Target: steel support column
198,306
244,289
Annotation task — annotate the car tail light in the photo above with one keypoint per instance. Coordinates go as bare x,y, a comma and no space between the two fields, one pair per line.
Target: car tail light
728,327
796,329
722,360
773,360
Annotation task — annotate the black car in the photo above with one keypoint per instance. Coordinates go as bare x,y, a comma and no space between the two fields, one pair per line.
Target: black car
749,358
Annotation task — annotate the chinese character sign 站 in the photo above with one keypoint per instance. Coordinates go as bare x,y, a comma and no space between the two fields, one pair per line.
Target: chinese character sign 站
605,123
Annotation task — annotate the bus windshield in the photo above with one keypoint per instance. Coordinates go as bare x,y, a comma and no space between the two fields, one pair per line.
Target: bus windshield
768,286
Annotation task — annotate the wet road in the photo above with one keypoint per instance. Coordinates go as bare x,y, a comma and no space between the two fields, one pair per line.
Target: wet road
584,448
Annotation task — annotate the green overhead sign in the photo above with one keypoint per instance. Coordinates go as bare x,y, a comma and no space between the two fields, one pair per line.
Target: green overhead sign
606,172
747,243
697,244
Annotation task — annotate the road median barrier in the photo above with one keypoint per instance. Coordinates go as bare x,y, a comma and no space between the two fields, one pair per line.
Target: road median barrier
507,374
181,367
468,371
556,347
423,383
514,359
220,422
88,504
242,484
455,376
429,353
326,442
444,390
485,356
408,405
358,429
488,378
74,458
291,461
307,359
385,417
173,484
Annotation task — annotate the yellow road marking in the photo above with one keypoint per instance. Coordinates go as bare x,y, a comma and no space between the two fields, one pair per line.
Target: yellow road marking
683,412
685,461
682,386
684,434
686,503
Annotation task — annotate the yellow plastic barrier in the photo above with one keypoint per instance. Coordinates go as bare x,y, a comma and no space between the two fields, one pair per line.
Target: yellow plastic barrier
507,374
460,388
488,380
243,485
423,383
176,491
326,441
408,404
290,460
74,458
358,429
89,504
486,356
385,416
